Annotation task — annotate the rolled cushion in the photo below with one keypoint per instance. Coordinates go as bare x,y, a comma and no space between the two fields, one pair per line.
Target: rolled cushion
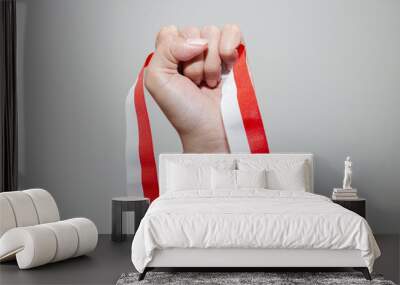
87,233
67,240
46,207
41,244
23,208
26,208
7,219
33,246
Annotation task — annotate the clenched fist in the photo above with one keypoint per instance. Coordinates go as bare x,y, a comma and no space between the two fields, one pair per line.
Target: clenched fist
184,79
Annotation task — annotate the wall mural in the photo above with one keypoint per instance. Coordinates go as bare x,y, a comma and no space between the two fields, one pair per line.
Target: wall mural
213,109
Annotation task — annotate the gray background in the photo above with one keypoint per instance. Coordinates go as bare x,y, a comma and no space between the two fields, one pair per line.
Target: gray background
327,75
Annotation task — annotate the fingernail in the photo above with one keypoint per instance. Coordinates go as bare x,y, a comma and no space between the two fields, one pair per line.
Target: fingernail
212,82
228,66
196,42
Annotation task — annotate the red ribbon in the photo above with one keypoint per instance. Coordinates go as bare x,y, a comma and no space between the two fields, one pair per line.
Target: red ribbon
146,148
248,105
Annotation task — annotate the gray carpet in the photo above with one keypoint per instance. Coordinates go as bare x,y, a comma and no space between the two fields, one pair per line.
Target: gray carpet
269,278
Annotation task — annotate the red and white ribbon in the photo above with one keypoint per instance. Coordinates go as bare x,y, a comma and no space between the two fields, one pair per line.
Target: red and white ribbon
240,113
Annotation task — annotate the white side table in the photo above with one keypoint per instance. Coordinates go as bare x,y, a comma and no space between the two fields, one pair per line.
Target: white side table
138,205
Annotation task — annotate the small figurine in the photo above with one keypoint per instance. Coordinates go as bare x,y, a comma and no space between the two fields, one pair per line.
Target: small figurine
347,174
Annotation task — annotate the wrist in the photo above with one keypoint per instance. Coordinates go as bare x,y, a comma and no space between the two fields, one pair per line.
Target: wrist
204,142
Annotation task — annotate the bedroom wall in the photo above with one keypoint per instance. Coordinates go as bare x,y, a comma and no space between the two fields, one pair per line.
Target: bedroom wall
327,75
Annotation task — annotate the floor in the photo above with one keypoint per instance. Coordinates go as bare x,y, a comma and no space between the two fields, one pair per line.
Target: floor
110,260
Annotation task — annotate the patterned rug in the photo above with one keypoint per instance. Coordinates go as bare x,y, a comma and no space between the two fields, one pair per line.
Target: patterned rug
269,278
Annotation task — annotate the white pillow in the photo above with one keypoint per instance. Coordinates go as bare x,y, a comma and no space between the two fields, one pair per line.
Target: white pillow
281,174
251,178
223,179
193,174
287,179
183,177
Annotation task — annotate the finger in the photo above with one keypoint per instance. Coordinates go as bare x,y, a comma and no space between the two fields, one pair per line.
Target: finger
171,48
212,61
194,67
166,34
230,40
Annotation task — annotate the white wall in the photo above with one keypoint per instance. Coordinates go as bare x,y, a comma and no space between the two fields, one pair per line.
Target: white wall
327,75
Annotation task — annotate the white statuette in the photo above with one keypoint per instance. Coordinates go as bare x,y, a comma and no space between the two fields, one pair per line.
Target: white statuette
347,174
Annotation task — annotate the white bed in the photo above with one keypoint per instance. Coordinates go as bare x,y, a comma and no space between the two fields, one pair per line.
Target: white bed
249,227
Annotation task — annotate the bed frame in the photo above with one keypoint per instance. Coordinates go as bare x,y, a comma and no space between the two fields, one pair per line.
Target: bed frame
244,259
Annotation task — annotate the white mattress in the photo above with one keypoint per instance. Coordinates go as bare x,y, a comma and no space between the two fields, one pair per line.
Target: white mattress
251,219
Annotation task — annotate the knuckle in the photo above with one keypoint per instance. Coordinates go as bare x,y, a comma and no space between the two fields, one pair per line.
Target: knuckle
235,27
190,31
170,28
232,27
210,30
165,32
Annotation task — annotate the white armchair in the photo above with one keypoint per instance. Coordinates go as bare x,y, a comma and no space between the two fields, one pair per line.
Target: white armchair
31,230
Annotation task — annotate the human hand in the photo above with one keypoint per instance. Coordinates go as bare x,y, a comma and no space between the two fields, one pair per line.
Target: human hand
184,78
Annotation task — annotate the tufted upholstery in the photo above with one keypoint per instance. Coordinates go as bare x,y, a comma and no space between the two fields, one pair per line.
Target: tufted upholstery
31,230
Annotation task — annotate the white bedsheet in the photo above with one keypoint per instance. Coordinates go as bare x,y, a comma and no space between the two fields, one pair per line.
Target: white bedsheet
251,218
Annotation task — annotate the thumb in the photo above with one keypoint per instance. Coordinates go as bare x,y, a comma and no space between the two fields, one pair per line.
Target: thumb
185,49
170,51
